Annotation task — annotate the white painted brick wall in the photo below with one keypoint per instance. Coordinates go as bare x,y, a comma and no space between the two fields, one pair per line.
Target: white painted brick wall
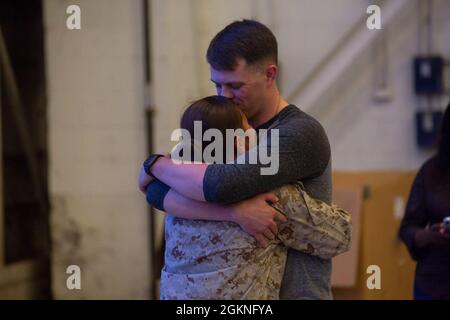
97,142
365,135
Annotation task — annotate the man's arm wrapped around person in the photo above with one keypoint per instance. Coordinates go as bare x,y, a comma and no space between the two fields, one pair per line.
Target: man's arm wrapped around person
313,226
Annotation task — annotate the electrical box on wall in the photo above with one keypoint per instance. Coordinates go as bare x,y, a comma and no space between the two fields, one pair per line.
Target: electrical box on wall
428,75
428,124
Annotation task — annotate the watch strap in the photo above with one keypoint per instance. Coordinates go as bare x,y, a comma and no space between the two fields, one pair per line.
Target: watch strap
150,162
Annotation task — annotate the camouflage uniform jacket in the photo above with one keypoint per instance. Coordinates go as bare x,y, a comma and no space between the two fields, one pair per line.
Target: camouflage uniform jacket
218,260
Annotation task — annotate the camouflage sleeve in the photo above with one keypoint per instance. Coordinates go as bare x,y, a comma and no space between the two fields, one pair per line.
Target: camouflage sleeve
313,226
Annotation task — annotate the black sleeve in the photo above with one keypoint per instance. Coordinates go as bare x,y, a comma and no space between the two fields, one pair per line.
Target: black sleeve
156,193
415,216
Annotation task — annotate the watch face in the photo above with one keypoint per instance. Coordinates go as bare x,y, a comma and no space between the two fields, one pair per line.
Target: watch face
149,162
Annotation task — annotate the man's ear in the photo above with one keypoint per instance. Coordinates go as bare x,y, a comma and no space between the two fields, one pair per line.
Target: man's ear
271,72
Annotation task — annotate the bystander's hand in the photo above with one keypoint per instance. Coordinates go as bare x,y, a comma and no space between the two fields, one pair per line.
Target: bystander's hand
435,234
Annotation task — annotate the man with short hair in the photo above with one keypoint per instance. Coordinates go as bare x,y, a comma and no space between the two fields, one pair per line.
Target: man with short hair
243,66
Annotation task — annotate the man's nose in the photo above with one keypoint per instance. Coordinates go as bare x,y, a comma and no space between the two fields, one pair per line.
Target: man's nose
226,92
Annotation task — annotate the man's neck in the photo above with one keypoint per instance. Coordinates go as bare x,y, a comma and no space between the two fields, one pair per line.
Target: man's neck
270,110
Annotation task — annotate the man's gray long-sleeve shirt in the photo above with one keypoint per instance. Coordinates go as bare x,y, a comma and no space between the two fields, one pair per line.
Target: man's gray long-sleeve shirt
304,155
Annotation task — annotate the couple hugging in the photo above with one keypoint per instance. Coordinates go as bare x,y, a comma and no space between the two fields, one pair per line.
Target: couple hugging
232,232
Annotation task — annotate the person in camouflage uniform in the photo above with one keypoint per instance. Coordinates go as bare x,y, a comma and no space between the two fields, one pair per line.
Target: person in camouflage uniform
218,260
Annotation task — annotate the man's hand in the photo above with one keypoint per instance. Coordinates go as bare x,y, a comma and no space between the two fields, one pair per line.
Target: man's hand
144,180
257,217
432,235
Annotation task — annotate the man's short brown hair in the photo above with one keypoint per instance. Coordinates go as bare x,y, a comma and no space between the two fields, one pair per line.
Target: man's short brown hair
246,39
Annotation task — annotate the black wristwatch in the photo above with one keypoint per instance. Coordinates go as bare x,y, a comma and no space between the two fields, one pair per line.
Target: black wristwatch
150,162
